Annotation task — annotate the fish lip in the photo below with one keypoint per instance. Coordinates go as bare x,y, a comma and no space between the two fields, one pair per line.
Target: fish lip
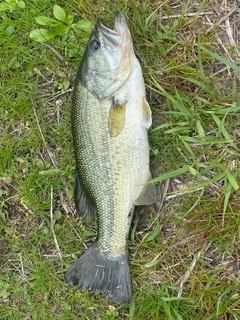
118,36
112,36
121,38
120,23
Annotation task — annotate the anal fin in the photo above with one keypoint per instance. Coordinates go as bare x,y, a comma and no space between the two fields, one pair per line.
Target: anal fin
147,196
84,205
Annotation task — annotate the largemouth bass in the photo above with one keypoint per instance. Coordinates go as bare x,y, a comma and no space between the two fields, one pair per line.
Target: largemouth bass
110,121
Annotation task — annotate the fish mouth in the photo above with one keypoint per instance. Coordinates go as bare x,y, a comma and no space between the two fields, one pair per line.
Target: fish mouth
120,35
118,43
120,25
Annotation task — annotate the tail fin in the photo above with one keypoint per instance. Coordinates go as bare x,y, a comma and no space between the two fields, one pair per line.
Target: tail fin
96,271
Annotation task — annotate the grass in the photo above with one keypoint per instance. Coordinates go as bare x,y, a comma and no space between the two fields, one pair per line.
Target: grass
184,257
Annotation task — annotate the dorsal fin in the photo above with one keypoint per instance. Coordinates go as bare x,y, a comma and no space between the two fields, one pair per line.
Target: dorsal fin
84,205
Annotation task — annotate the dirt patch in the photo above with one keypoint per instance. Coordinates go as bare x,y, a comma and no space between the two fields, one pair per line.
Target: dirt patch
4,248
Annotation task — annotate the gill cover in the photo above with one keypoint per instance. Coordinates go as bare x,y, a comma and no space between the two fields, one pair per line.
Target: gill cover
107,61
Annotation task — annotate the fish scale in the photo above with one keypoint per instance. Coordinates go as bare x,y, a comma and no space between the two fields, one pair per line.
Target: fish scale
103,171
110,119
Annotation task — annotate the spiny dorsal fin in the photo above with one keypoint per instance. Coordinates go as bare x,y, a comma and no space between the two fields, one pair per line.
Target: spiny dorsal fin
116,119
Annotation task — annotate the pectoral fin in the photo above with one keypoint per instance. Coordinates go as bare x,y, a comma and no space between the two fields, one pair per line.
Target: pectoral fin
147,114
84,206
147,196
116,119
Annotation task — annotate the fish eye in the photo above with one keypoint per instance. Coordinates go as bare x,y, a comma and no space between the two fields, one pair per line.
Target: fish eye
95,45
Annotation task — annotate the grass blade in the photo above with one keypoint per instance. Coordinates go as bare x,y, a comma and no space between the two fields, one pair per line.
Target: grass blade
171,174
221,59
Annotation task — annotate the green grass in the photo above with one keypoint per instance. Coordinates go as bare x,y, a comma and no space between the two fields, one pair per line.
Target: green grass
194,141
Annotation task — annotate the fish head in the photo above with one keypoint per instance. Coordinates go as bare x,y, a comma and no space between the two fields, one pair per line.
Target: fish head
108,59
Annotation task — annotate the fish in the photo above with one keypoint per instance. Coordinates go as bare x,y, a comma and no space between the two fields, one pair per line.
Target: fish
110,118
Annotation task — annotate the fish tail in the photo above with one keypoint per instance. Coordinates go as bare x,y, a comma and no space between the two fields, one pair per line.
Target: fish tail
97,271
